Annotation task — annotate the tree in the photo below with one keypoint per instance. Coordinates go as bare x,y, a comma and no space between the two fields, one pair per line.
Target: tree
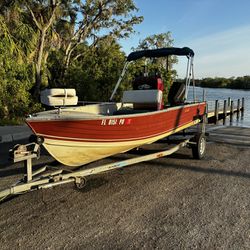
45,37
16,74
66,24
43,14
97,20
221,82
156,41
95,73
20,32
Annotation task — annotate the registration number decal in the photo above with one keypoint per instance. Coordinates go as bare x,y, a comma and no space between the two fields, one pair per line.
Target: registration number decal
113,122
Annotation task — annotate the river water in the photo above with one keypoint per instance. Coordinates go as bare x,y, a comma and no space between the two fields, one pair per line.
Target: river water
213,94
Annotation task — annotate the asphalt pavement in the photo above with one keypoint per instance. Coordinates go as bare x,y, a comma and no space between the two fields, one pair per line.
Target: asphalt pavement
14,133
174,202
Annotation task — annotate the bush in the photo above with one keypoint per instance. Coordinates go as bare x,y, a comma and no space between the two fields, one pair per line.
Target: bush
16,81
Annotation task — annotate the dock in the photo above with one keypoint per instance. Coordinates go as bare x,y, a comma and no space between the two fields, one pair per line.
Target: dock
220,109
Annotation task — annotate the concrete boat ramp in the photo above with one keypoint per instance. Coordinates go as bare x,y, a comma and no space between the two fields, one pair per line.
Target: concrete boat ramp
238,136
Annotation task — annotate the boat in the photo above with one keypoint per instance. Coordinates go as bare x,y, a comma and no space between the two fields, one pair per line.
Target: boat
76,134
79,134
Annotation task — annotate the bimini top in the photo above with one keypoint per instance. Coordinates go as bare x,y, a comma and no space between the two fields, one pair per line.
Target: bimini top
185,51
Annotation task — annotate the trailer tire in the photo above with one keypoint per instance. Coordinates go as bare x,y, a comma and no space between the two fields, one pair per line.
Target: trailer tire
199,149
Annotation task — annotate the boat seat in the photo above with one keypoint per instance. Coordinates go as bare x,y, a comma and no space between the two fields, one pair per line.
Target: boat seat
59,97
143,99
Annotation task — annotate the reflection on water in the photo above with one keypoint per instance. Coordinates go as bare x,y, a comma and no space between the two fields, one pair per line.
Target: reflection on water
213,94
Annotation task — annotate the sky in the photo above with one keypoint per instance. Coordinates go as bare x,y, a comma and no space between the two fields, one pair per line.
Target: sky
217,30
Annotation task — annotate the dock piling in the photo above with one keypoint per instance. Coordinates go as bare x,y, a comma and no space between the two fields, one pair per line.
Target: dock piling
216,111
238,109
229,101
242,107
224,112
231,111
204,95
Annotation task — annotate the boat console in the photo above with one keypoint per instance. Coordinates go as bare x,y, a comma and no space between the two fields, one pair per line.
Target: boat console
176,94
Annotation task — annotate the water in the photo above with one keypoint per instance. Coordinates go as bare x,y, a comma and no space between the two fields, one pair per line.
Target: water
213,94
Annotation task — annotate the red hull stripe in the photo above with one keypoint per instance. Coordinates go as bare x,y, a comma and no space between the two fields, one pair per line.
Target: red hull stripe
103,140
111,128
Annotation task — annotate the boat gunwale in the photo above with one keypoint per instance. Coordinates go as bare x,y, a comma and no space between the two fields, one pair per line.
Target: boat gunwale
59,118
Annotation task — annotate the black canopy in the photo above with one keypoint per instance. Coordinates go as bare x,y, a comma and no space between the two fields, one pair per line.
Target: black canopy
185,51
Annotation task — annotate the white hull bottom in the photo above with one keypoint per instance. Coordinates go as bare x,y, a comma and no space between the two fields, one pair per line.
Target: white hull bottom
77,153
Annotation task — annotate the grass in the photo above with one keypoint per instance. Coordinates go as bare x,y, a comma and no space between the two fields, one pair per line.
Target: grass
13,121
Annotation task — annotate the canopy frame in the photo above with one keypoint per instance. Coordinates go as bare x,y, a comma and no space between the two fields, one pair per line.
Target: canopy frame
163,52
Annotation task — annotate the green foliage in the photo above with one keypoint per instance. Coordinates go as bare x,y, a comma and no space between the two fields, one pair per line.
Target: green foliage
94,74
156,41
220,82
46,42
12,121
73,43
114,18
15,84
16,76
97,20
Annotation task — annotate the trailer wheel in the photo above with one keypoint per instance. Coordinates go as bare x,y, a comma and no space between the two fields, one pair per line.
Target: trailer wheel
199,148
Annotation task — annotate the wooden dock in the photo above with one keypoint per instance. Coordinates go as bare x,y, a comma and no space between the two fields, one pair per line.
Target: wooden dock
221,109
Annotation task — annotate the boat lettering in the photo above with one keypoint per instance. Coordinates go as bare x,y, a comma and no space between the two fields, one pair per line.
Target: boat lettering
112,122
121,121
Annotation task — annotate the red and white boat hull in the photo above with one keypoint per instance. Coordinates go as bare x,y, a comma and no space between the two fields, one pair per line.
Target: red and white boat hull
77,140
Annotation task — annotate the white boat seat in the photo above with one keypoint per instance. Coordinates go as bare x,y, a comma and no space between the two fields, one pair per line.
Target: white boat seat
59,97
143,99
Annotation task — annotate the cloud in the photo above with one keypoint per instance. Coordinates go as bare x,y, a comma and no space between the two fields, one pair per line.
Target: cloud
221,54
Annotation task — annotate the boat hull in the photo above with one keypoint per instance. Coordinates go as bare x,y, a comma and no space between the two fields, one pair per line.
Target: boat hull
75,142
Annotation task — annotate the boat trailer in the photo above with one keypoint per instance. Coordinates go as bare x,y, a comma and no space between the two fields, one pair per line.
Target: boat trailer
47,176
